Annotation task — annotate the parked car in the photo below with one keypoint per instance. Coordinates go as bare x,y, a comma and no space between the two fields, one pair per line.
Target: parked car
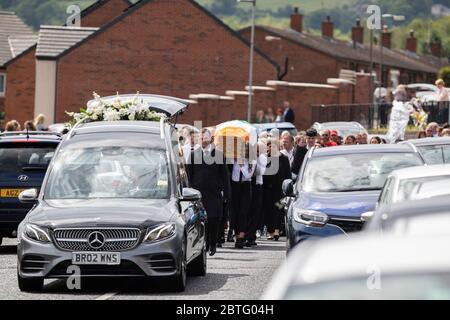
425,91
416,217
344,129
59,128
281,126
24,158
115,202
337,185
410,184
433,150
368,267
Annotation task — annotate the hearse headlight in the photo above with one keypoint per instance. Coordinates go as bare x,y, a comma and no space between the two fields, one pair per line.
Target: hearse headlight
310,217
160,232
36,233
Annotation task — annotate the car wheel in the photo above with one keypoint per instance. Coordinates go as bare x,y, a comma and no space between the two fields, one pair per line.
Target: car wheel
178,283
30,284
199,265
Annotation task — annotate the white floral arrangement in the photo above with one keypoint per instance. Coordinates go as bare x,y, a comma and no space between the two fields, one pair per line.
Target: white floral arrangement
100,110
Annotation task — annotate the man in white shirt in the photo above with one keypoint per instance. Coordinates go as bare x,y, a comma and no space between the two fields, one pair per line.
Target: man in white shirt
241,178
287,141
191,145
256,212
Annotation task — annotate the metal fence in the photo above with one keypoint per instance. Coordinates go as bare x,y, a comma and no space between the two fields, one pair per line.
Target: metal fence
366,113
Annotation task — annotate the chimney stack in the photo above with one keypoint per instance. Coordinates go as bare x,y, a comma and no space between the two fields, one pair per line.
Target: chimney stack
358,32
411,42
297,20
386,38
436,48
328,28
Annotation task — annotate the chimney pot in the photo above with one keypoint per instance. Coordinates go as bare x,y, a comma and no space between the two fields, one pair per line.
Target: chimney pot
436,49
328,28
386,37
358,32
297,20
411,42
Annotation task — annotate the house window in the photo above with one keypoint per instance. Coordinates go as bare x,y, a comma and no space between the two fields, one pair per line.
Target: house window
2,84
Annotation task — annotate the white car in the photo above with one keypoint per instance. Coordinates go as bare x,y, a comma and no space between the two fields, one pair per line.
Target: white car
366,267
344,129
410,184
425,91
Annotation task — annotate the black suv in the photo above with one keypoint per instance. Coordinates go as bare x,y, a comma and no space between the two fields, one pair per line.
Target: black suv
24,158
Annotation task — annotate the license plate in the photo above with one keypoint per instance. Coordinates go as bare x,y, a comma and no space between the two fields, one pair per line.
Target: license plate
10,193
96,258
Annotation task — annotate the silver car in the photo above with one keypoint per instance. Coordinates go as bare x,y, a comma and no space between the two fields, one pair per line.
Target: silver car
115,203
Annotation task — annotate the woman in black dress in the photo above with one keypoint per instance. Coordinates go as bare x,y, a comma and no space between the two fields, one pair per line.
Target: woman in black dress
278,170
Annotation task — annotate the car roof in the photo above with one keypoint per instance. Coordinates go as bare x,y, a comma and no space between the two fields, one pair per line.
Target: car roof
272,125
171,106
351,258
35,136
426,171
428,141
422,206
151,127
340,124
361,149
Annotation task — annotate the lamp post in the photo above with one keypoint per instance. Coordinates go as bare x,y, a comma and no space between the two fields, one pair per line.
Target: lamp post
252,51
394,18
380,84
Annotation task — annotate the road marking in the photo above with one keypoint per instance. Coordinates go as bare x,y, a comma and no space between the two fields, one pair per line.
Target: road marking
107,296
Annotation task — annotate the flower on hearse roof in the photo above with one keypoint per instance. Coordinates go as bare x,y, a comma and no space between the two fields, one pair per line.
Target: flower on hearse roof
100,110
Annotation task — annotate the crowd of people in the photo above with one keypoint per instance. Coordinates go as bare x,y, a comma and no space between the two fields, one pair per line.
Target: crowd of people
238,194
31,125
433,130
283,114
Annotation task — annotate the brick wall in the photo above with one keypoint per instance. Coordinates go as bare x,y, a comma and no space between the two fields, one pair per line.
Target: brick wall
302,96
104,13
213,111
21,73
2,99
305,65
20,88
362,90
159,48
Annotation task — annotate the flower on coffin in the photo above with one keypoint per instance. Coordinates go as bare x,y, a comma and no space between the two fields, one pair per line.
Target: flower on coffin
99,110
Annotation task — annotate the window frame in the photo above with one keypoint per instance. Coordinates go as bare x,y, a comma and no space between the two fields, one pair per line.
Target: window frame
3,90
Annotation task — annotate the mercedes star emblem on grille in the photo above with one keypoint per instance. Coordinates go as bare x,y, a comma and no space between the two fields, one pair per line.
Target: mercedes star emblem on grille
23,178
96,240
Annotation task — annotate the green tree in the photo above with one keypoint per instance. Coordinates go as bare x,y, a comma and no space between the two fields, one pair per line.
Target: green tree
444,74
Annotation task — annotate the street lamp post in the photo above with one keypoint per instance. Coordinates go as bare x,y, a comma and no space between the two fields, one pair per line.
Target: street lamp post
380,85
252,51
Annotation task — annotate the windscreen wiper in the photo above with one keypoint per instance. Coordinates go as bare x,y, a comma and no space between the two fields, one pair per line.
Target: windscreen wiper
34,168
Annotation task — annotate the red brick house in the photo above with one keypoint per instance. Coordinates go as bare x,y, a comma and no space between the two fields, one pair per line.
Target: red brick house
172,47
15,37
311,58
21,69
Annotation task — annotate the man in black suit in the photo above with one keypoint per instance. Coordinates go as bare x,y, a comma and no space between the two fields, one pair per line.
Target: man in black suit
288,115
300,152
208,173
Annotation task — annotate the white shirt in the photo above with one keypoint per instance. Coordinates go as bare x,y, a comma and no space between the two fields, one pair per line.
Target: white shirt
208,149
247,173
260,169
443,95
289,155
187,149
